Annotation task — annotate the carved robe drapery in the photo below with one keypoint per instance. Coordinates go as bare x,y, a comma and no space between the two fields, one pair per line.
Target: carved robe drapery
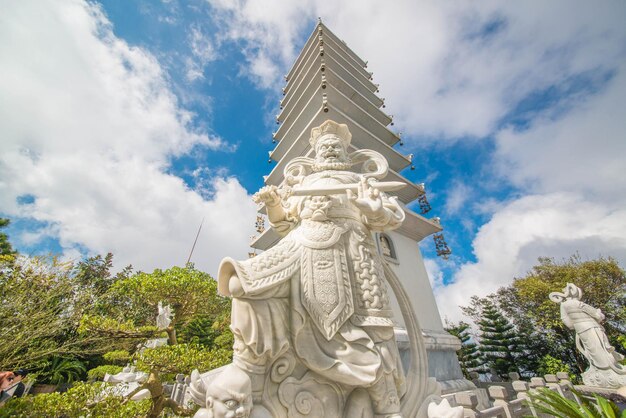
591,339
321,290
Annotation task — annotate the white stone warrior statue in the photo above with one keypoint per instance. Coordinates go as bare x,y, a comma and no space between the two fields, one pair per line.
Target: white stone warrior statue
164,318
591,340
311,317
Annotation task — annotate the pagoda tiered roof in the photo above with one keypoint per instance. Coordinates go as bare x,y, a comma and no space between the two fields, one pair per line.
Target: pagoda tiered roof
329,81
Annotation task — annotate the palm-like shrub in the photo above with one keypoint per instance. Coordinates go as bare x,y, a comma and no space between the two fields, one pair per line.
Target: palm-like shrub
550,402
61,370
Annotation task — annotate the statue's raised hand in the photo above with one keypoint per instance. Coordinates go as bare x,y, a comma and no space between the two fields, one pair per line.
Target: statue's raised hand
268,195
367,199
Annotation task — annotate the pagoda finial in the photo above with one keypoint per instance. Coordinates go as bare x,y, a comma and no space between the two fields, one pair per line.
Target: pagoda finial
319,20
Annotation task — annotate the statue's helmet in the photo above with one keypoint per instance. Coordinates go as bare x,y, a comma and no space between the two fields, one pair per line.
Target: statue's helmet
571,291
328,128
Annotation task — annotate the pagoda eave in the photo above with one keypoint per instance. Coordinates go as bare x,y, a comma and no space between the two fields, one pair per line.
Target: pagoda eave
361,138
318,84
321,61
331,97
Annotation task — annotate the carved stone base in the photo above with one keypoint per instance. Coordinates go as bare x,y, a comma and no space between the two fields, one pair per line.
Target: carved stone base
292,391
603,378
443,363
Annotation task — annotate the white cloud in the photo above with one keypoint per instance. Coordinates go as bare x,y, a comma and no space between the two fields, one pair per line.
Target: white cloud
439,68
572,169
194,70
584,150
457,197
435,275
555,225
89,125
201,45
203,52
269,30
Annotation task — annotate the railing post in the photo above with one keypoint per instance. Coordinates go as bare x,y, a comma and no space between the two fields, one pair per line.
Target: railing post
500,395
468,401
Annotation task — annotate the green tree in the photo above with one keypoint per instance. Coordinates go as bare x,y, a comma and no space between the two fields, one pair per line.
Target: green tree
468,354
5,245
43,304
93,280
499,344
538,320
39,313
54,314
117,357
526,300
190,293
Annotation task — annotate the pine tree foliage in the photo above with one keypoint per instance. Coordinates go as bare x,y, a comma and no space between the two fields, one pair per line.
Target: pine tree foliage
5,245
468,354
500,346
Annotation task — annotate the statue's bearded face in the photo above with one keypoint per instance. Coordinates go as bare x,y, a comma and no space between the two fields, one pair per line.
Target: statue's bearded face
331,154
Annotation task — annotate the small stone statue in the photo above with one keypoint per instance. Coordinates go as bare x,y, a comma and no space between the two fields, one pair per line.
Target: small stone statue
164,318
591,340
127,375
227,396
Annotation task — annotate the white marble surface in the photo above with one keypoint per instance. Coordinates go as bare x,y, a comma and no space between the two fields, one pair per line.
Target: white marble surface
604,369
444,410
313,325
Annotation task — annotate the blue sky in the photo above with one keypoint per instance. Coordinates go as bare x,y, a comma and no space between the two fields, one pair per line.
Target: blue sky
126,123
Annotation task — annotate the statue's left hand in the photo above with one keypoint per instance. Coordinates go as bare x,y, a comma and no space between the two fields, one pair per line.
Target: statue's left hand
368,199
268,195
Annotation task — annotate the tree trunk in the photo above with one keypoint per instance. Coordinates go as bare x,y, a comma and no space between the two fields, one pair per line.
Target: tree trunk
171,335
154,385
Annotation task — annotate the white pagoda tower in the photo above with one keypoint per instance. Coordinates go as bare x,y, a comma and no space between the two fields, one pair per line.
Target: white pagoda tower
329,81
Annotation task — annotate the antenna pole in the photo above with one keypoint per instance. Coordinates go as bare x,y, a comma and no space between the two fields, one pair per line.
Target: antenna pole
194,242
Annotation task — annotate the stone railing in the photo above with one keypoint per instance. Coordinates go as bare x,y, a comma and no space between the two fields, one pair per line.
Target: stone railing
179,389
513,405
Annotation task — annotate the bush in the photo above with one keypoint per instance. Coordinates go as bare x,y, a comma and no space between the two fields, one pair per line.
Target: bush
61,370
97,373
88,400
182,358
224,341
119,357
552,365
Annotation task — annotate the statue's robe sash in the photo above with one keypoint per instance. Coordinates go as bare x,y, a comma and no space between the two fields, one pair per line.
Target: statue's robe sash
325,278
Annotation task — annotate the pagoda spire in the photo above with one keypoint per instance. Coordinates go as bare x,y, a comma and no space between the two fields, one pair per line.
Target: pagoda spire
328,80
